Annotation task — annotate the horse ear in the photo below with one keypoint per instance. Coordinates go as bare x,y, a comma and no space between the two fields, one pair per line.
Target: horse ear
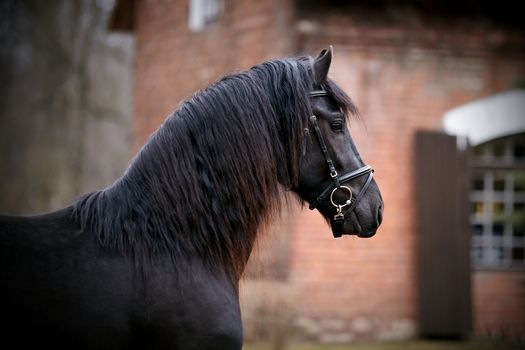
322,65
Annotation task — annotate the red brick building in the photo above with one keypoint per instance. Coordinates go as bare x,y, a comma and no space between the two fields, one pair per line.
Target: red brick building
405,64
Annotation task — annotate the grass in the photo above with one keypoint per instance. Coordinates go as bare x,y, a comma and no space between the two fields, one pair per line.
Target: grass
412,345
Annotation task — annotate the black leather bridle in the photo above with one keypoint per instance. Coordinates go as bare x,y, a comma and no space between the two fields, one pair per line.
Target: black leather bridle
338,181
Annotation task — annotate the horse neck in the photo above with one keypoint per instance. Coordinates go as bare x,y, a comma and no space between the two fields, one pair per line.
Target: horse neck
176,198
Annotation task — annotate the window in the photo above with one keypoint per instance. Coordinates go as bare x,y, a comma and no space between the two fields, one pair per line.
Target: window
497,199
202,13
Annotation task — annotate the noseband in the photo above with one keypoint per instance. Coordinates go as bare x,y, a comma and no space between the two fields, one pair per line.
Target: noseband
346,207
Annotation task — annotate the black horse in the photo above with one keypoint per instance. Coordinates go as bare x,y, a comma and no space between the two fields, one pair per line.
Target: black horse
154,260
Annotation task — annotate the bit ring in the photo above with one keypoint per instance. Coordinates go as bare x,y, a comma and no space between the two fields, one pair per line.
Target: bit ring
347,202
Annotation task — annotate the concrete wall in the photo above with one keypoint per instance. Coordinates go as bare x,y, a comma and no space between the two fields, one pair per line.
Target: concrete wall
65,102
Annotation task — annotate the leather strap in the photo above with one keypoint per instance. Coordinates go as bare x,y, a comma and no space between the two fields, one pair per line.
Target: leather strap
339,219
337,226
345,178
362,192
324,149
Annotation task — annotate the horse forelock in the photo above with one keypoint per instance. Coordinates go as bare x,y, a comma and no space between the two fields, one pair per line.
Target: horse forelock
213,172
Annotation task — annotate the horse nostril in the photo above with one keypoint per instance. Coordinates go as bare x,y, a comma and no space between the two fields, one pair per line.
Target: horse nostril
379,216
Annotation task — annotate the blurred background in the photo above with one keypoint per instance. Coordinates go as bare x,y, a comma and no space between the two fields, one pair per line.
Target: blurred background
440,85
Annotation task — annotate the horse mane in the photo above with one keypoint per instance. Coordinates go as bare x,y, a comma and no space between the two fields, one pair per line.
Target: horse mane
214,171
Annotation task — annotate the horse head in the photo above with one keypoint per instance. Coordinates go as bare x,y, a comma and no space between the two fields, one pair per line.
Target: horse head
332,176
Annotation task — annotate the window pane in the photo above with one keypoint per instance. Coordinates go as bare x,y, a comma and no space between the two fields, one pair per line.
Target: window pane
518,231
499,182
518,254
476,253
478,208
518,220
477,183
518,151
498,210
519,181
479,151
497,253
498,228
477,230
498,149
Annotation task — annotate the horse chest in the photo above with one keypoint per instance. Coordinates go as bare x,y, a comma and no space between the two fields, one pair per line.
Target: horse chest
196,310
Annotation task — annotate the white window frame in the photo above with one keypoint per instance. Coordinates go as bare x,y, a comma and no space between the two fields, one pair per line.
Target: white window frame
490,250
203,13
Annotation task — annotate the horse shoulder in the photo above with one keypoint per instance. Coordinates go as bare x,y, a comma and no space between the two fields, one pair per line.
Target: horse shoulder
197,311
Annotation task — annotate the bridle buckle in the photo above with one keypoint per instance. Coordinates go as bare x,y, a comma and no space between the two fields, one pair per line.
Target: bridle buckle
339,215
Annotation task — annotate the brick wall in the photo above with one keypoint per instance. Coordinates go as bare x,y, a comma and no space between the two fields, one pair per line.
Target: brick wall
499,303
402,79
172,62
367,287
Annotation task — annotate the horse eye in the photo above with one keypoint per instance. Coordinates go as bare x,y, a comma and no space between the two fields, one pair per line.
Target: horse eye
337,125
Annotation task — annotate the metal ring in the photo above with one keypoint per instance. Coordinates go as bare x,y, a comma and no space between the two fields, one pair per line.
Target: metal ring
348,201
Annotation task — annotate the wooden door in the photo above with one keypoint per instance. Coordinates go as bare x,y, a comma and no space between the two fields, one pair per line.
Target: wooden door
443,249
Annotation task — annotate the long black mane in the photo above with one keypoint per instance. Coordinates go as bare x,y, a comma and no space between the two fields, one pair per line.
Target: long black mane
214,171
